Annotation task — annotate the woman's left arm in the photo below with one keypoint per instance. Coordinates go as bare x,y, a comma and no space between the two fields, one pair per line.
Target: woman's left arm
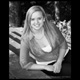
63,44
62,49
58,65
62,52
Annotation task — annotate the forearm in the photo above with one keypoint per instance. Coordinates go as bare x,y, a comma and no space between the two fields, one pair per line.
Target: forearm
33,66
40,67
37,67
62,51
61,55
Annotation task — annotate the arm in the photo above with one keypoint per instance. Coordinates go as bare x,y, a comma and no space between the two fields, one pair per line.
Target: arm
40,67
62,52
63,44
57,66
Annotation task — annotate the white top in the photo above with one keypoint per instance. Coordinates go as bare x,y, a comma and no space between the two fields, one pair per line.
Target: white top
47,48
45,63
44,44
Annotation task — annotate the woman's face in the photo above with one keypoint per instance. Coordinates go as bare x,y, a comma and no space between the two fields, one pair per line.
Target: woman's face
37,20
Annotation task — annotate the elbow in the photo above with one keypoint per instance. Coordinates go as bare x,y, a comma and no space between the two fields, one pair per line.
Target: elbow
22,65
22,62
26,66
64,45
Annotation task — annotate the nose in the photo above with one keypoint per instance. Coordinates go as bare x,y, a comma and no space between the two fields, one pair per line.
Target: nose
36,21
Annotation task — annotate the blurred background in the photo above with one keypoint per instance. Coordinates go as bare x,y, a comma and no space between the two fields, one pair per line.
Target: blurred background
58,12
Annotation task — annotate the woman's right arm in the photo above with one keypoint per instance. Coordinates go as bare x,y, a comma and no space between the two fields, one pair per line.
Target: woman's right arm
40,67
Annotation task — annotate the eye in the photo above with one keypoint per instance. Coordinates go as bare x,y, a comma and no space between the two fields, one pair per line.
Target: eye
40,18
32,19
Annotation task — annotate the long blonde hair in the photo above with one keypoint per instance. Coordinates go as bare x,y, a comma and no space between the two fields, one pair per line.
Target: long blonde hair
48,27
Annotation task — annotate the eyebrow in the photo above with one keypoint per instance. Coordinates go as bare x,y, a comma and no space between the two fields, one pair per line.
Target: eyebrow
38,17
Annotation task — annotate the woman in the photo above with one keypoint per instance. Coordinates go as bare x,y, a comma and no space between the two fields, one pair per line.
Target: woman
41,43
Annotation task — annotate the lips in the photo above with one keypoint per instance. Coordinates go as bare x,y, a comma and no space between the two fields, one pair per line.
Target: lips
37,25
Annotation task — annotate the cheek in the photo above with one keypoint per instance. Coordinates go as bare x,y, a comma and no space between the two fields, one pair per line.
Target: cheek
32,22
41,22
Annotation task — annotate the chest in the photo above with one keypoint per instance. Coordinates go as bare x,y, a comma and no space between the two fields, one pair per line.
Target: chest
44,44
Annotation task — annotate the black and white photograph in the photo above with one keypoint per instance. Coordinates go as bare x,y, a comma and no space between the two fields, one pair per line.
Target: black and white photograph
40,39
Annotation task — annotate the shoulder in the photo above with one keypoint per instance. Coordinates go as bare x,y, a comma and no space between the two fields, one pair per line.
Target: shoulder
56,29
27,36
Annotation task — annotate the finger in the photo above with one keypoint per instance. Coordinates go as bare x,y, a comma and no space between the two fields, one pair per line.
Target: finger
54,70
57,71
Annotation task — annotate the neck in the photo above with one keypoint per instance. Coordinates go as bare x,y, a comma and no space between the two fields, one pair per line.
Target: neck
37,31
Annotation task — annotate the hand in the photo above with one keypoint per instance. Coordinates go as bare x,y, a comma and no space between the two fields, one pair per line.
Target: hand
49,67
57,67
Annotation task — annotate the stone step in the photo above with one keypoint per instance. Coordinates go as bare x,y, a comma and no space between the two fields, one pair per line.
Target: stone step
15,35
14,39
14,43
13,49
18,30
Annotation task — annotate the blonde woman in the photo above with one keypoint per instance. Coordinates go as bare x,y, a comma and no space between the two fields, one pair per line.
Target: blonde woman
41,43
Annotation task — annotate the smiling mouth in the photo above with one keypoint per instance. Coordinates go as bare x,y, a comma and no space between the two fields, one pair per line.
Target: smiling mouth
37,25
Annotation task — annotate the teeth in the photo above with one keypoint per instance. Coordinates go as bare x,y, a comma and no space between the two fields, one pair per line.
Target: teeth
36,25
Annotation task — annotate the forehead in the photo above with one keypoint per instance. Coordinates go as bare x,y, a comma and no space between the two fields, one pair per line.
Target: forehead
36,14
